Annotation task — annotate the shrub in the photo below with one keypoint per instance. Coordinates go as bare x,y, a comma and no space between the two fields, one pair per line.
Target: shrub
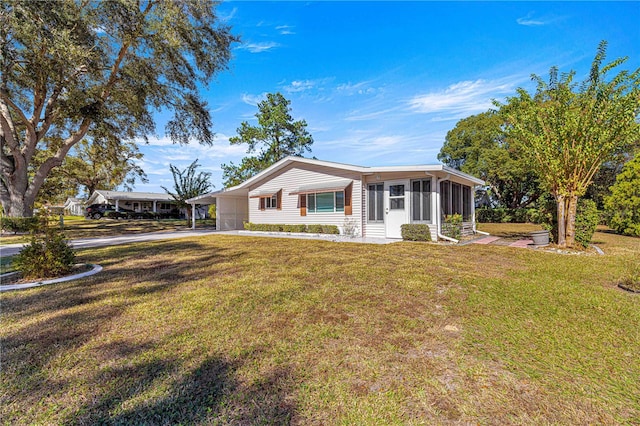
294,228
350,227
587,218
323,229
452,226
275,227
623,205
47,255
19,224
415,232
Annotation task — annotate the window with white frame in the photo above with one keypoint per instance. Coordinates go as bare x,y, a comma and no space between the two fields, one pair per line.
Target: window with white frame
271,202
421,200
375,202
325,202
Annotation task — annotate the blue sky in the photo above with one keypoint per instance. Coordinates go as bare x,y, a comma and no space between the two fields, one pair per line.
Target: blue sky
381,83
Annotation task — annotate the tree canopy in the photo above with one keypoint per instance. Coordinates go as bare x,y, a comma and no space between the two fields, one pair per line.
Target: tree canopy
93,166
99,70
568,129
275,137
478,145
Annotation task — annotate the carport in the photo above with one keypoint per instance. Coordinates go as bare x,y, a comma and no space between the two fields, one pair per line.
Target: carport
232,208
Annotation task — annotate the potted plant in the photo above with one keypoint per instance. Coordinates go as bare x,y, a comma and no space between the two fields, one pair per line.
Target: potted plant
540,238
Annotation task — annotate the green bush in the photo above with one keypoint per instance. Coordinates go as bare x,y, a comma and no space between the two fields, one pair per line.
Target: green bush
323,229
587,218
47,255
623,205
415,232
19,224
503,215
452,226
274,227
294,228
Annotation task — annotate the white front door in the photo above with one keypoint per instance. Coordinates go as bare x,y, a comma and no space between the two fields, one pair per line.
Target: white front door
395,207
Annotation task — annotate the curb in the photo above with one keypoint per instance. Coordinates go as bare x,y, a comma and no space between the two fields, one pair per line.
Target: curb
93,271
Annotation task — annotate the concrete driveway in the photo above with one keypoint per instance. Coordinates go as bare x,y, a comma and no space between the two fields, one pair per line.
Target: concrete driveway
11,249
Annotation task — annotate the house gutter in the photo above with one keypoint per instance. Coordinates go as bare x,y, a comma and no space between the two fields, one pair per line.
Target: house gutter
438,215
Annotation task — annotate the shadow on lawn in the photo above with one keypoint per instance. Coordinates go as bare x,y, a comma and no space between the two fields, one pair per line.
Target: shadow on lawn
130,382
209,393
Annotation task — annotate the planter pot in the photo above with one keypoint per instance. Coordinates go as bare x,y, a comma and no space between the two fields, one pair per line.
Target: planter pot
540,238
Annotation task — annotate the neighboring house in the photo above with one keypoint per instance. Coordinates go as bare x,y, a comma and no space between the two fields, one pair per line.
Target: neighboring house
74,206
136,201
376,200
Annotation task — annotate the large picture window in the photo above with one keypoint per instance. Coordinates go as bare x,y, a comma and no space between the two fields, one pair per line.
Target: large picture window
375,202
421,200
325,202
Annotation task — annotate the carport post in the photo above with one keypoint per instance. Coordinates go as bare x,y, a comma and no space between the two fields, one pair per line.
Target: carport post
193,216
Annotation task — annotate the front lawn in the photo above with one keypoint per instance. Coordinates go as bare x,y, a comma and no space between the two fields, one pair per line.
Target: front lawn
243,330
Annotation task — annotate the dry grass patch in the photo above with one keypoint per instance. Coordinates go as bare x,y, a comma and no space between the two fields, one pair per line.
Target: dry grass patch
244,330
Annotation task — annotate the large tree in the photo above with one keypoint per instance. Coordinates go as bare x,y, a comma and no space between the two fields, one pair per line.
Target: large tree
478,145
98,70
569,129
275,137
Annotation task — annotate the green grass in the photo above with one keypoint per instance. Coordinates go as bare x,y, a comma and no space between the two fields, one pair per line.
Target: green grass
243,330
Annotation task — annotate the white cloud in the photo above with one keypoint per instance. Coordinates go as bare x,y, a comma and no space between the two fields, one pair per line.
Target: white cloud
528,21
285,29
226,17
301,86
361,88
253,100
259,47
463,98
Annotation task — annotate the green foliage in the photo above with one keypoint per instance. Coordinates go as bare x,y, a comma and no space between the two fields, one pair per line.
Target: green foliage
415,232
187,184
498,214
99,70
91,166
19,224
478,145
274,227
452,226
568,130
623,205
47,255
275,137
587,219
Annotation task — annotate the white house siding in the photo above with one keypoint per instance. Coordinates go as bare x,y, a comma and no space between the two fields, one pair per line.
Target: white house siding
231,213
294,177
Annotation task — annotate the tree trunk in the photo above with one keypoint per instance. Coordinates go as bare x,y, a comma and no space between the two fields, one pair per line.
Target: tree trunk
562,234
572,209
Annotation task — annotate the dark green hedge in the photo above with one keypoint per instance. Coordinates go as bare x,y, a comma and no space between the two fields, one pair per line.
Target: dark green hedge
415,232
19,224
498,215
312,229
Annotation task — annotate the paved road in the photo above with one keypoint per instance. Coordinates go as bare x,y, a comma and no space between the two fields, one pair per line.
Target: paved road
11,249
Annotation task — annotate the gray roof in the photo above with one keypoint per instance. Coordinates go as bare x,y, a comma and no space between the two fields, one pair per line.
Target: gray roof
132,196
